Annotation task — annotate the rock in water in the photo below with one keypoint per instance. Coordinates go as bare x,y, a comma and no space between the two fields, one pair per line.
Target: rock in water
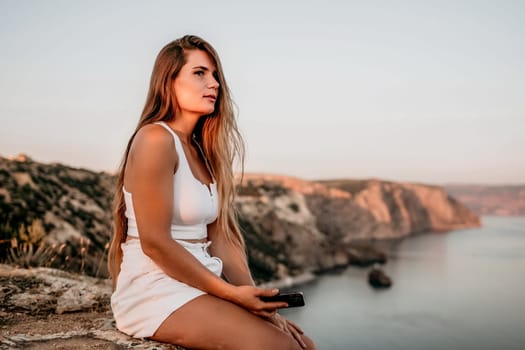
378,279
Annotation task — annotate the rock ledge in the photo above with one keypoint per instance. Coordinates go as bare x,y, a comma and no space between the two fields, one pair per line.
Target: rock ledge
44,308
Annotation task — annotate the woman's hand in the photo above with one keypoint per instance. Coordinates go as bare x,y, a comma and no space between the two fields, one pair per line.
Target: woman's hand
248,298
289,327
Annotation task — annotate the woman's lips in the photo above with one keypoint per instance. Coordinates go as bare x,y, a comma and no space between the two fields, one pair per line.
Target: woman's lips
213,98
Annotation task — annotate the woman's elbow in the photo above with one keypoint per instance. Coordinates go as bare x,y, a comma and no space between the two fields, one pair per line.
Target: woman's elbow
152,247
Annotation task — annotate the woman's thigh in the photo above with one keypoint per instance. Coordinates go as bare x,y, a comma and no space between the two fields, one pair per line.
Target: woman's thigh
208,322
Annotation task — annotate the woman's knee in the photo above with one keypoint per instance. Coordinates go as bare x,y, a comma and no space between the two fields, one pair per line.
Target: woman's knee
285,342
293,344
273,338
310,345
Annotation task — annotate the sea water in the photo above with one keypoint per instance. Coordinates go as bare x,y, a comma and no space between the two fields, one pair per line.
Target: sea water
463,289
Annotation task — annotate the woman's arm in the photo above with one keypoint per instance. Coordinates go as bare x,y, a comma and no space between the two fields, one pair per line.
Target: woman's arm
152,160
235,264
150,171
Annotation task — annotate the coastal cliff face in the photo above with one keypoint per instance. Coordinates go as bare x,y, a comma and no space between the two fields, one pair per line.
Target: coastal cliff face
401,209
312,226
291,226
502,200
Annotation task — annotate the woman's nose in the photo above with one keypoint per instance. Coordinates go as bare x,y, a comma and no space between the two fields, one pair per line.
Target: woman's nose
214,84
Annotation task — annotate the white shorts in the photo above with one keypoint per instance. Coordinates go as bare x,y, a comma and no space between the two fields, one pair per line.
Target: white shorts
145,296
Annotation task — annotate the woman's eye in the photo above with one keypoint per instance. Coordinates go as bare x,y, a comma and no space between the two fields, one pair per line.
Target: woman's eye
199,73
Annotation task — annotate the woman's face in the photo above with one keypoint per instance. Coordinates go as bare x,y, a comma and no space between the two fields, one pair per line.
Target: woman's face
196,88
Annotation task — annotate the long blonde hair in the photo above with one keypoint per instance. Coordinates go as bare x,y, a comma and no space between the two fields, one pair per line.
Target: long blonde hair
217,133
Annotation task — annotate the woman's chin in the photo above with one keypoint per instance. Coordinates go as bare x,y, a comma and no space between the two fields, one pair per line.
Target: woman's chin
208,111
202,111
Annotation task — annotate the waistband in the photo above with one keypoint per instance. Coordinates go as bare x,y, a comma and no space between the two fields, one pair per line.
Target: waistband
191,245
185,244
198,231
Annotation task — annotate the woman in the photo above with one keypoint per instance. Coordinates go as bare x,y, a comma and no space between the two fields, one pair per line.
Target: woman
174,198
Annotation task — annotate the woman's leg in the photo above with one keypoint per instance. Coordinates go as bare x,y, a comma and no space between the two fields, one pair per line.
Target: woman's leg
208,322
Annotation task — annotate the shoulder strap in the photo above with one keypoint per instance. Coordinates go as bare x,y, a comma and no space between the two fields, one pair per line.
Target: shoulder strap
178,144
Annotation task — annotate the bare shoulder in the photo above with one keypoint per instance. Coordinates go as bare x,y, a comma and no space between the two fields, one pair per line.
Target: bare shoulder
152,154
153,141
153,135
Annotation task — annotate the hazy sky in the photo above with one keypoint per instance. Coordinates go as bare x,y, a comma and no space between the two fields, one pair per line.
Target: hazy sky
427,91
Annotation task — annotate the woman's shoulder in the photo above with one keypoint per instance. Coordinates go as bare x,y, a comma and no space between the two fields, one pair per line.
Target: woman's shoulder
153,135
151,140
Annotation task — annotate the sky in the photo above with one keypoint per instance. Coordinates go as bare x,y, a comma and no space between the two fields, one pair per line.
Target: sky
422,91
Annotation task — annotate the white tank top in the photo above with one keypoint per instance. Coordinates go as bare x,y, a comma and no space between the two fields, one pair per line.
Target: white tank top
195,205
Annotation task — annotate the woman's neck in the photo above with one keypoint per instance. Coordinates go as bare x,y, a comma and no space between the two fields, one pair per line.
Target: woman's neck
183,125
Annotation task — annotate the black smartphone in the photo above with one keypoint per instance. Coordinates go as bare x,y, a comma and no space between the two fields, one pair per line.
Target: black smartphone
293,299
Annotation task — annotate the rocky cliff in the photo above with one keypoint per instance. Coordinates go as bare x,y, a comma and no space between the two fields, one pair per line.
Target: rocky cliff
293,225
58,216
503,200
